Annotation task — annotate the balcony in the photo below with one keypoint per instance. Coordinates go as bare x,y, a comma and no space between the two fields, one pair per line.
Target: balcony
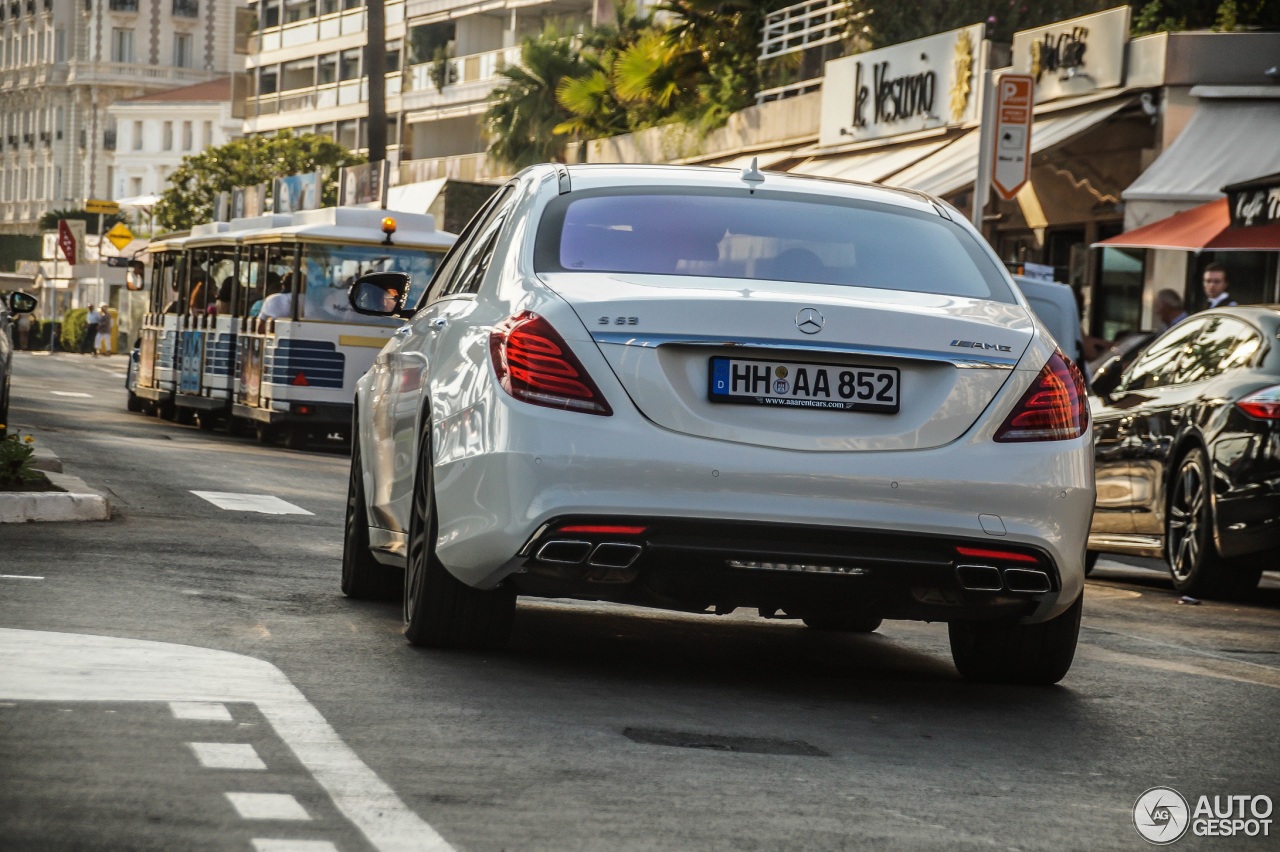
130,6
133,73
471,78
468,167
186,8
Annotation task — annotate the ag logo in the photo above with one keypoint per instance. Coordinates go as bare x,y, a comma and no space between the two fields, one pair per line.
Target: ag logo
1161,815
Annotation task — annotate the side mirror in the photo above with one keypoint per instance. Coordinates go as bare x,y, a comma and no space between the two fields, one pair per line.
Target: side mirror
21,303
379,294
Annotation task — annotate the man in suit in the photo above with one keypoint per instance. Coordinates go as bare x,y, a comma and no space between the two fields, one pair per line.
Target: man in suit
1215,286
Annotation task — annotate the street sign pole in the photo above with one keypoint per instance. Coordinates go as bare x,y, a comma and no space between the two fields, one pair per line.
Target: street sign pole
986,149
102,286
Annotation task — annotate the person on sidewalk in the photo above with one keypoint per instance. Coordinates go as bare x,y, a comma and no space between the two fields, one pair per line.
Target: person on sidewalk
1168,308
91,321
1215,286
102,344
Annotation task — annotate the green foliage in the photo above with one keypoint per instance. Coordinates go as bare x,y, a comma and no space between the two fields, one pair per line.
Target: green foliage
194,185
522,119
73,326
49,221
1222,15
16,454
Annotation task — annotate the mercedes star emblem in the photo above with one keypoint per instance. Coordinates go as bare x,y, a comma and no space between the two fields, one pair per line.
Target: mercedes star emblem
810,320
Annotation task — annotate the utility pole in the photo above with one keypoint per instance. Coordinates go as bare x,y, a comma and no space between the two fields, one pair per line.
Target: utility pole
375,65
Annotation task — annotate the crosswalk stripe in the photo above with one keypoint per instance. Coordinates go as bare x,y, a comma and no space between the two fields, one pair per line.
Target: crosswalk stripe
267,806
262,503
227,756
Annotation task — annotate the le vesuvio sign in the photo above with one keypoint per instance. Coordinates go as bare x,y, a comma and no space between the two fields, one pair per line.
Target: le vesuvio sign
1074,57
917,85
1254,202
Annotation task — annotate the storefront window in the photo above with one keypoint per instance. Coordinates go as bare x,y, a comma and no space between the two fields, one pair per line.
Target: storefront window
1251,277
1117,300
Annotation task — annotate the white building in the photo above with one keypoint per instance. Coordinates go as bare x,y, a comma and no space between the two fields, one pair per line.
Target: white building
64,62
154,132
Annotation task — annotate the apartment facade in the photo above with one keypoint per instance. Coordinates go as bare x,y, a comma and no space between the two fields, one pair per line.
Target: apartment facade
64,62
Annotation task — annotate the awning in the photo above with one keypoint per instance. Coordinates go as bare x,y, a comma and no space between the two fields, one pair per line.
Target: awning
955,166
145,202
414,197
1203,228
1225,141
870,166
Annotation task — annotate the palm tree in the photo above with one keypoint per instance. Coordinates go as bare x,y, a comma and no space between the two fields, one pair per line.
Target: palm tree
525,113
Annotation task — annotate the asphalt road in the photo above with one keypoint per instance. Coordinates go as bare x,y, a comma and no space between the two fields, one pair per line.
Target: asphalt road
188,676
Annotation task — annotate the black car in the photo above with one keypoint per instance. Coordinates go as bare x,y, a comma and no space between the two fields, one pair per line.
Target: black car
1187,449
12,305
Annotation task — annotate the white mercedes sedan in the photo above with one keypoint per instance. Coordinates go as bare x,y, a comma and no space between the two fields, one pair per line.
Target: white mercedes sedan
702,389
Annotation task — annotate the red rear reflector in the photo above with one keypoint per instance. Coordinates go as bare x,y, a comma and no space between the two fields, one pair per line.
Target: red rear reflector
299,380
1264,405
302,409
535,365
1054,408
600,529
998,555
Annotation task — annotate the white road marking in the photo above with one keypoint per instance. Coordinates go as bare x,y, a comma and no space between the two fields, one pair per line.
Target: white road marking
273,845
70,393
201,711
263,503
267,806
38,666
19,577
227,756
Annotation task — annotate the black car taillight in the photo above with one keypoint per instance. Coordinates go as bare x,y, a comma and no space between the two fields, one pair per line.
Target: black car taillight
1264,405
1054,408
535,365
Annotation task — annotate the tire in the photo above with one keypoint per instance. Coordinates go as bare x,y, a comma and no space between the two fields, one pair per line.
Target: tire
1090,561
1008,652
266,434
135,403
363,576
441,611
184,416
1194,563
207,422
297,439
843,622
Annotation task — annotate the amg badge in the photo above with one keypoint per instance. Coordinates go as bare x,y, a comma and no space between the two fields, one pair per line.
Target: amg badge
973,344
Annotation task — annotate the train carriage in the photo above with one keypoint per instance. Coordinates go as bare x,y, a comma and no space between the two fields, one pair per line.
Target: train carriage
158,342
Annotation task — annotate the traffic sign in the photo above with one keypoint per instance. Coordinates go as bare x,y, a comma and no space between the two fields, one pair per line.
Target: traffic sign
97,205
66,241
1015,94
120,236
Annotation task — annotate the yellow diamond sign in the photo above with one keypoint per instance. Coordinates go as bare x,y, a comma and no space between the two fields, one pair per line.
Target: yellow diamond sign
120,236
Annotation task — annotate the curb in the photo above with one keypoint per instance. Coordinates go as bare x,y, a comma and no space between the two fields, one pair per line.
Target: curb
78,502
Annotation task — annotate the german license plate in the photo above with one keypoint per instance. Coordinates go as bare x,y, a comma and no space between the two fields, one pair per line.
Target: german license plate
800,384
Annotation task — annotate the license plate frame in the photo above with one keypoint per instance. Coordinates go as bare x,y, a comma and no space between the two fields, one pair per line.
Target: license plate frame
881,399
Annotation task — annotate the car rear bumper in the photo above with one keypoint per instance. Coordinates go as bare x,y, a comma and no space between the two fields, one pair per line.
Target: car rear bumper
494,499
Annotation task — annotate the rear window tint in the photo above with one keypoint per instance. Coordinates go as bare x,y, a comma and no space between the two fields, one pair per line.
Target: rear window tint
766,236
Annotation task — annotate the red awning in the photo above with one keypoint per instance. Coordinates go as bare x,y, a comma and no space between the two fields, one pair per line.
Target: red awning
1203,228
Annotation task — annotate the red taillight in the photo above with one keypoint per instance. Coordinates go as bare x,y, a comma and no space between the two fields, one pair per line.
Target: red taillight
600,529
535,365
1054,408
1264,405
997,555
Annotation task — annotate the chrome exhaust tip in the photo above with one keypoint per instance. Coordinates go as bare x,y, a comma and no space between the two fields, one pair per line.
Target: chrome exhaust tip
979,578
563,552
615,554
1026,580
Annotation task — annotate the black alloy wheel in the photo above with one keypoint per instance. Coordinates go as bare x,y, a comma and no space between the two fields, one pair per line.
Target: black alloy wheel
1194,562
363,576
1008,652
439,609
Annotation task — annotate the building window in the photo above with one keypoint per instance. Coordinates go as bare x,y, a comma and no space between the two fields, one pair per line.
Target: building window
121,45
350,64
186,8
135,186
168,136
137,136
182,52
124,5
186,136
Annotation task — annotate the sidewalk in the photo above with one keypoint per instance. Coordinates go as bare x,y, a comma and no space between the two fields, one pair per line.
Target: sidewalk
76,502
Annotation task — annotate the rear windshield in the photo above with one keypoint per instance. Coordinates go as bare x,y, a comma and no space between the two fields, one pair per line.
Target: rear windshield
768,236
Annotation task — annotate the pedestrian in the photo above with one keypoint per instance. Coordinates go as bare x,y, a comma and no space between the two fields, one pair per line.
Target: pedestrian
1168,308
1215,286
91,320
25,322
103,342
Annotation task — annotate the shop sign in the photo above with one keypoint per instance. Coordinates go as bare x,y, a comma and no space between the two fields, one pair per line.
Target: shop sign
1259,205
246,201
1074,57
296,192
918,85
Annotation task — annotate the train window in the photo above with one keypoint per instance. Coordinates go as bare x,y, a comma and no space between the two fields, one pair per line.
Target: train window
330,270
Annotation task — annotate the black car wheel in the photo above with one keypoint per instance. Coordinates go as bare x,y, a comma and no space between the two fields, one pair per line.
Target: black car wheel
440,610
363,576
1009,652
1194,562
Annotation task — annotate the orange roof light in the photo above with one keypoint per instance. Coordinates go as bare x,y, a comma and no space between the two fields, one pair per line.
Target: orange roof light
388,228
